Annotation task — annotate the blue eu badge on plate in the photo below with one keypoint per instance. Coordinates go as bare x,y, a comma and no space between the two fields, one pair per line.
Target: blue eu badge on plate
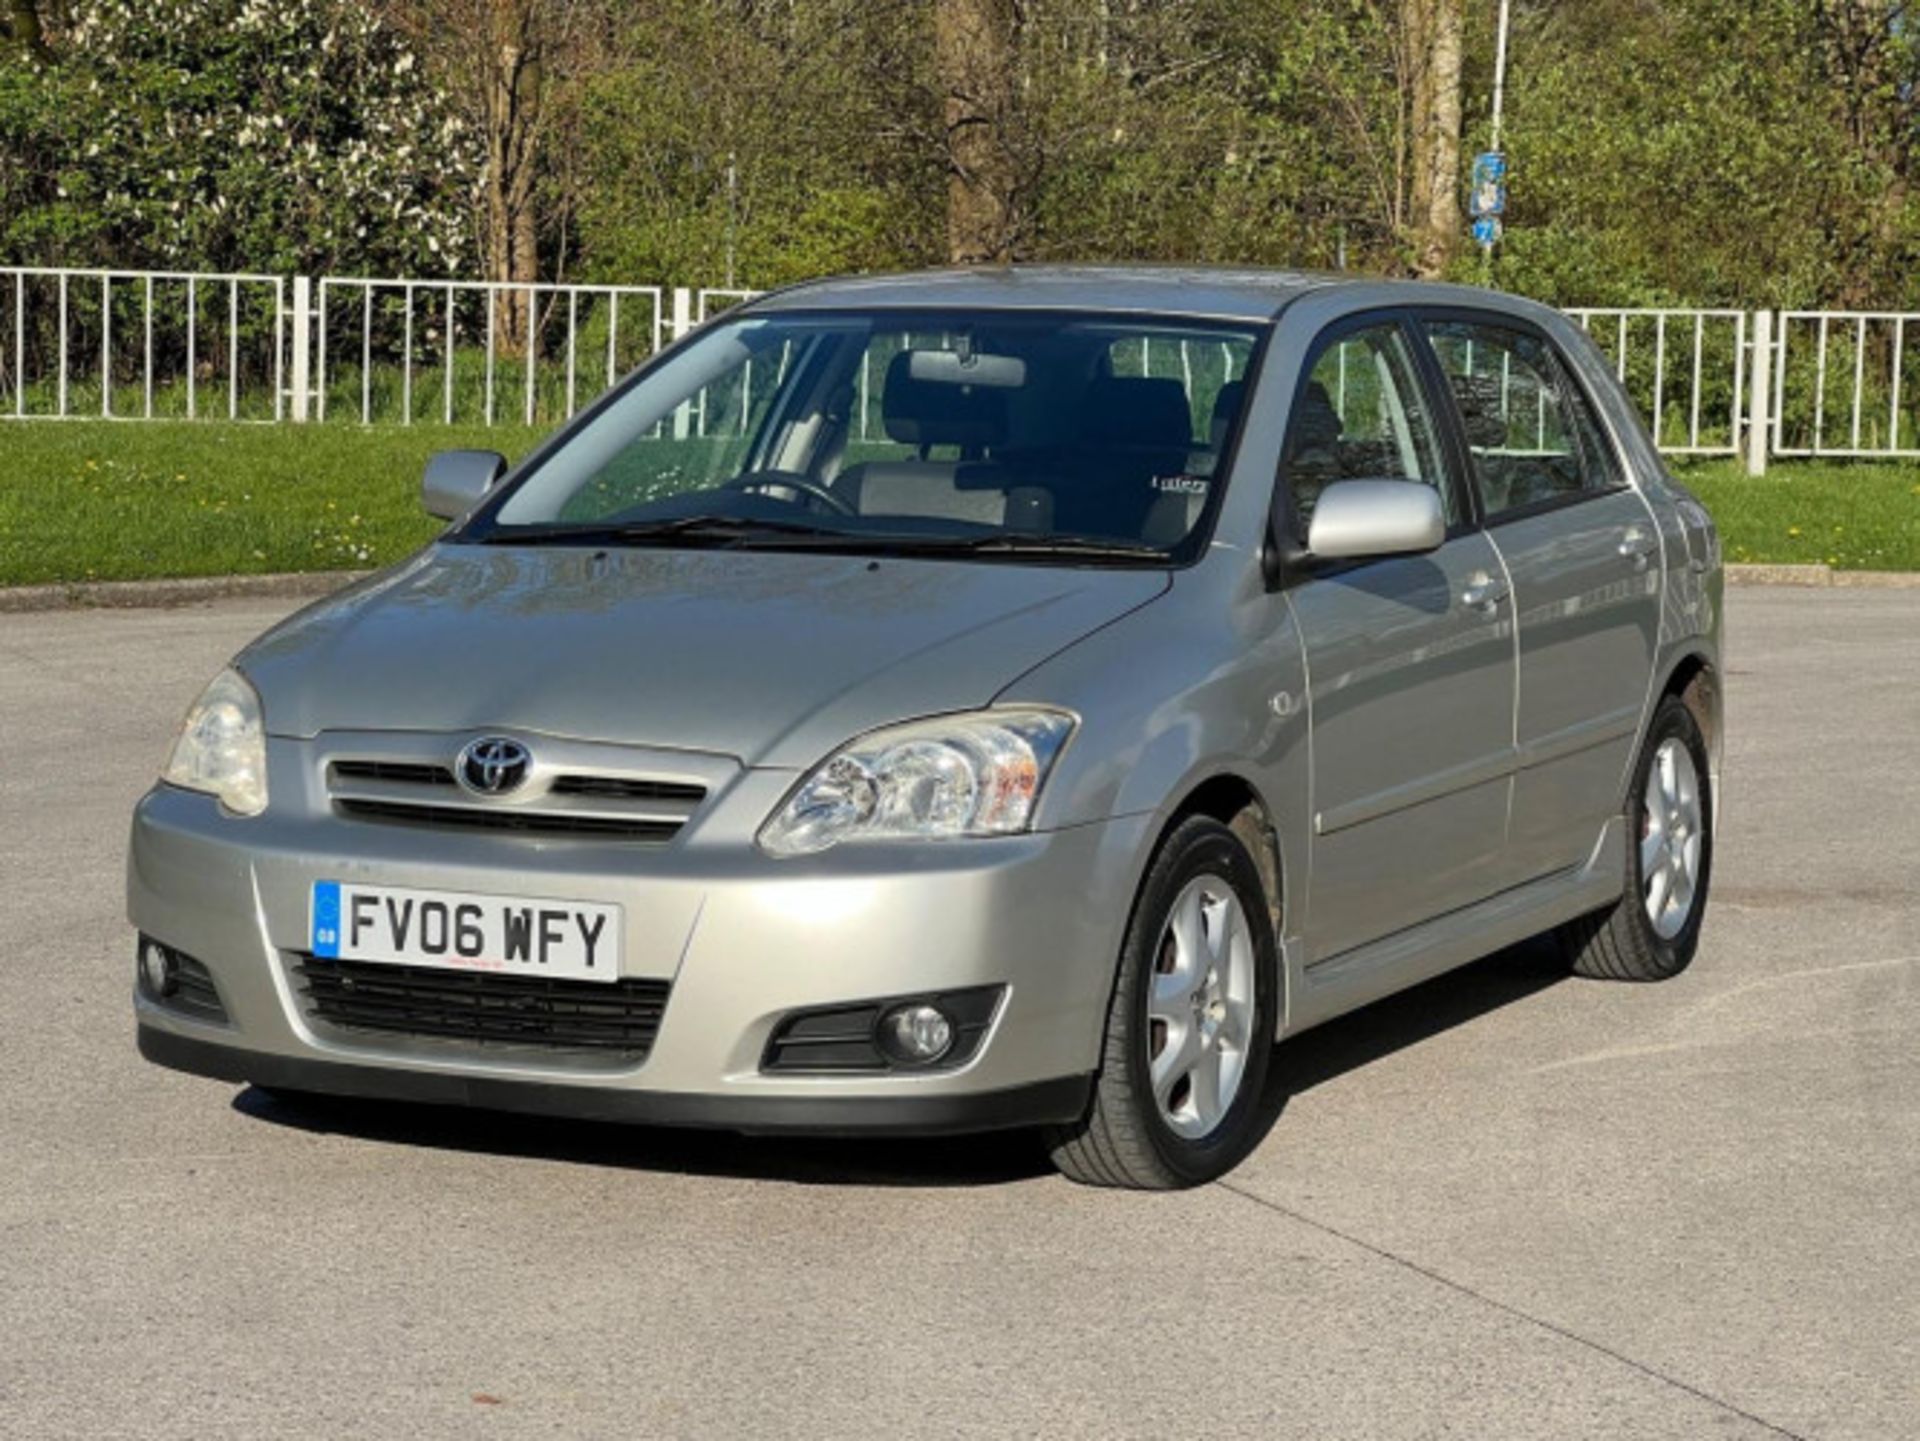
326,918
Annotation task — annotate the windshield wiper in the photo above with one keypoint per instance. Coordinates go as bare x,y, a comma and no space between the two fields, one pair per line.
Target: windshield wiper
1019,543
723,529
785,534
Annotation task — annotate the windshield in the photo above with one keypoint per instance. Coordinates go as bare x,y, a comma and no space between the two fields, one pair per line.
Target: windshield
984,433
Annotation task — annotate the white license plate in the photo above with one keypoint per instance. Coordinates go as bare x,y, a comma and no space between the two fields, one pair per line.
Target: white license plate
503,935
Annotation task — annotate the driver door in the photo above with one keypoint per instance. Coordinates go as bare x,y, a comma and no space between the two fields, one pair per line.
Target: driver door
1410,659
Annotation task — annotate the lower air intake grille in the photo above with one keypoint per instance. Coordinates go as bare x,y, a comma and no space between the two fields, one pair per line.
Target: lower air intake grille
194,991
534,823
623,1016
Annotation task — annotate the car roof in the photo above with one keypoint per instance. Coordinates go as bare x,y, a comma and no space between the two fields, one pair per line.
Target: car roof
1245,294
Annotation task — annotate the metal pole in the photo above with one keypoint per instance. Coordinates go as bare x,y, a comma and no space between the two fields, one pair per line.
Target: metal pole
1499,76
446,341
146,372
1757,393
492,302
63,344
302,332
320,358
573,333
106,345
20,343
533,303
406,360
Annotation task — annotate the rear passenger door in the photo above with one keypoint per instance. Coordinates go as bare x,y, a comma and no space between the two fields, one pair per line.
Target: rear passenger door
1581,551
1410,658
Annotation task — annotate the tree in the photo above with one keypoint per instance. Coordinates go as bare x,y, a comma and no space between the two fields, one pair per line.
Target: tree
1430,76
222,135
974,41
20,26
769,142
510,64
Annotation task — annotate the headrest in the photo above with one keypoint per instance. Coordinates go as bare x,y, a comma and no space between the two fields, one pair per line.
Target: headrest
1226,405
1316,424
931,412
1136,410
1478,397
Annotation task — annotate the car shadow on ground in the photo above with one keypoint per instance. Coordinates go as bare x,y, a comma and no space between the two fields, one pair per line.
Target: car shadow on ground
1307,1061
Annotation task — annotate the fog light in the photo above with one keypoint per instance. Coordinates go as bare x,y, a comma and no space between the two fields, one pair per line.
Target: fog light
917,1033
158,973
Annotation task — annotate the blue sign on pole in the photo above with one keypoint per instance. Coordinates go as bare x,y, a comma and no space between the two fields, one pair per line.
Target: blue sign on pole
1487,191
1486,230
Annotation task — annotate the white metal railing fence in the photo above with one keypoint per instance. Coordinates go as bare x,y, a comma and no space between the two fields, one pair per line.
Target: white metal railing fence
1684,369
138,344
1865,353
462,337
134,345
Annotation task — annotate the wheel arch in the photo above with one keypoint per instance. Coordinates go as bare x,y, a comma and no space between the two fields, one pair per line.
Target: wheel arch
1237,804
1693,679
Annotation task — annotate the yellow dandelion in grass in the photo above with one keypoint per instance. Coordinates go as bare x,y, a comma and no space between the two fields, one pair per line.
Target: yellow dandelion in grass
1793,530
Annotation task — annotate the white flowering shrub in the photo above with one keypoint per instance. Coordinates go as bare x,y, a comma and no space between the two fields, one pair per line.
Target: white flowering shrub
258,135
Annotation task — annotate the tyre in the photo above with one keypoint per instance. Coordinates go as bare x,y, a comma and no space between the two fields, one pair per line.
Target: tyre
1190,1027
1653,930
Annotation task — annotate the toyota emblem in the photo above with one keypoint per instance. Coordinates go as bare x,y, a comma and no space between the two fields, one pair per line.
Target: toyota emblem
493,765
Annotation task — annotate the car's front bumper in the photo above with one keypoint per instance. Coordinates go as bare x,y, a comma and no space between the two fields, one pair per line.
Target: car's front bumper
819,1111
743,939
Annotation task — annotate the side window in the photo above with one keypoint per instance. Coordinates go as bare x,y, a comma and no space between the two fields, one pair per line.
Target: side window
1532,436
1361,416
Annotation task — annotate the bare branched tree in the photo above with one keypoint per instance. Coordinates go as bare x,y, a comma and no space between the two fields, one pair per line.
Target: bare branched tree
508,64
1430,33
974,43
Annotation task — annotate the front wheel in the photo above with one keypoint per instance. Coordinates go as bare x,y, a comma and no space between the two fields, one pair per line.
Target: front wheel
1654,929
1190,1027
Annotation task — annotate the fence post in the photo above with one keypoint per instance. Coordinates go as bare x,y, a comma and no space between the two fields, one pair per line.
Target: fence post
1759,396
302,344
682,323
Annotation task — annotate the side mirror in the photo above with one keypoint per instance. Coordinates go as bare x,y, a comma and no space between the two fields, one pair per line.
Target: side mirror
458,480
1360,518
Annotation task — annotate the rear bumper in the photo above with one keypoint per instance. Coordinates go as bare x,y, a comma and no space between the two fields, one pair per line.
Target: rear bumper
1040,1103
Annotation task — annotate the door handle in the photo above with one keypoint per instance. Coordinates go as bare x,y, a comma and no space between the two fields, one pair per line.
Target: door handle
1483,592
1637,546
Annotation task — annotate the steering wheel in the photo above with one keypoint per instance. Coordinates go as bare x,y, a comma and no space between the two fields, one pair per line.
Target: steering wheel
762,480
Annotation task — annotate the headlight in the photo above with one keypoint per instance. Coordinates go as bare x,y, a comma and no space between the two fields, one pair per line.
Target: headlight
961,775
222,748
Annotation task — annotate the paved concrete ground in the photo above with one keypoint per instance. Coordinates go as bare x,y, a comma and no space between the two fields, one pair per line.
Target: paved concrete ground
1503,1205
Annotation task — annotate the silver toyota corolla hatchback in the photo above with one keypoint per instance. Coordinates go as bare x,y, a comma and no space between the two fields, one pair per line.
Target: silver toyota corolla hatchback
955,701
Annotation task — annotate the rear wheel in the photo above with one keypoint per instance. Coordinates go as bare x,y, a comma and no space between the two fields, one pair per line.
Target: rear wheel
1190,1027
1654,929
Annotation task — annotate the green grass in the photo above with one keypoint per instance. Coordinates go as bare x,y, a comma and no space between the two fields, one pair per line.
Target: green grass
103,500
99,500
1863,515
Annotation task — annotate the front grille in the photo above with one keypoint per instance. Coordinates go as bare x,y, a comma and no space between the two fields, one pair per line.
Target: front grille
622,788
403,790
405,773
622,1017
544,823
